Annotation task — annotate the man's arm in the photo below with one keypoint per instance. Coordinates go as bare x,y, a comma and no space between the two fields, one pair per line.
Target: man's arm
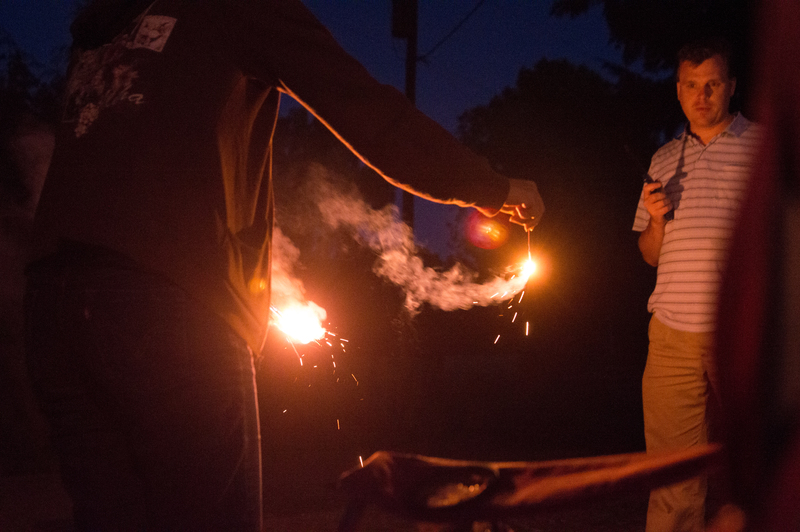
375,121
650,241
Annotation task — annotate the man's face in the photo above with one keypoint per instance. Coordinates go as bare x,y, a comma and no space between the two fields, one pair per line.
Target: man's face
705,92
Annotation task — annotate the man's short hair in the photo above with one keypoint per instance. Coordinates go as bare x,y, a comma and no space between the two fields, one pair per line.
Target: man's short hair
698,51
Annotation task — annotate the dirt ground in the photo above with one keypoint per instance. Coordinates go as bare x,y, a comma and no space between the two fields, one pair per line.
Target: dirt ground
37,503
305,453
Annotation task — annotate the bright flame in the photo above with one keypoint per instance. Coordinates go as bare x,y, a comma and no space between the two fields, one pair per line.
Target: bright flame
528,269
301,324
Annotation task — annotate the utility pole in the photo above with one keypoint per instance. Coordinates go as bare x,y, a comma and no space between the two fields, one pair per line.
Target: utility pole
404,26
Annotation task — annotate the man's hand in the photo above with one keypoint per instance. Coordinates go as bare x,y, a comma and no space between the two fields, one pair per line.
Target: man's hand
656,202
524,203
658,205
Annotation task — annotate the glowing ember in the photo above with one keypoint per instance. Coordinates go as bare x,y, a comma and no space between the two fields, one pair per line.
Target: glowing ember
300,324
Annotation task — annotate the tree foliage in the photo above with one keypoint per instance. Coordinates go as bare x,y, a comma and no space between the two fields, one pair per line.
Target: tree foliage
653,31
582,138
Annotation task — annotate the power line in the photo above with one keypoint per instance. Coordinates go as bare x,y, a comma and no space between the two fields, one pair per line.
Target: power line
452,32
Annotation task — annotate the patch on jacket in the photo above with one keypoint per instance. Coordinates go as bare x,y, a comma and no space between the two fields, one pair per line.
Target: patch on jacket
153,32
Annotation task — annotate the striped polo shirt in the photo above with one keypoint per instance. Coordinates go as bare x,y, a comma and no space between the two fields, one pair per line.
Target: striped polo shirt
705,184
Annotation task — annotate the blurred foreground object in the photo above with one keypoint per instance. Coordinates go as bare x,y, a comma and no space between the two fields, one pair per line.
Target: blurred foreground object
758,343
439,490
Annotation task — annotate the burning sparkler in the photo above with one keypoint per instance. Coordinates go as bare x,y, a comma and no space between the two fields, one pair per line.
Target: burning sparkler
398,262
528,268
301,324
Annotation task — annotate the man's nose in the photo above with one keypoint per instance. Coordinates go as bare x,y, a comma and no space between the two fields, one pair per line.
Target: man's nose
707,91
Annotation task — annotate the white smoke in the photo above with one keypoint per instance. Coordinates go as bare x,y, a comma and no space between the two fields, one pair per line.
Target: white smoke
392,240
287,290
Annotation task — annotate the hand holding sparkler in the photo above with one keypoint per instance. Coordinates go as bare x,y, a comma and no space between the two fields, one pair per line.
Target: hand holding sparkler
524,203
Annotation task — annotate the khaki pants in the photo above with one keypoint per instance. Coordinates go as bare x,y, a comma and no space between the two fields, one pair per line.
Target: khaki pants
678,382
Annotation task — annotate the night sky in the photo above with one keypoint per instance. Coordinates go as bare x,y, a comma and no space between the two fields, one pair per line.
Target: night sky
474,64
465,69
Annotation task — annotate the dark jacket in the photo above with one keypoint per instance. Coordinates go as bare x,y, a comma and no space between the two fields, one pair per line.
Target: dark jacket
164,153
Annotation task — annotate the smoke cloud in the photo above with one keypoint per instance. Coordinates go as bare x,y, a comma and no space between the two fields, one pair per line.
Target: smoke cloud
383,232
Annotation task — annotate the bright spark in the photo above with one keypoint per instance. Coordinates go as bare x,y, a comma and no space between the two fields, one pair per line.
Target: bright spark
300,324
528,268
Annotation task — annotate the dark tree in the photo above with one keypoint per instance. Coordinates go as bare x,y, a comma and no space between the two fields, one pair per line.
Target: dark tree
653,31
586,141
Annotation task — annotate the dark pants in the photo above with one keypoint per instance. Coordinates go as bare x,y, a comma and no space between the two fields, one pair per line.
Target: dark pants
150,398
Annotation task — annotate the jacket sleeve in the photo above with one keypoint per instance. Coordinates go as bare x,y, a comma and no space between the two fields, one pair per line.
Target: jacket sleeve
281,42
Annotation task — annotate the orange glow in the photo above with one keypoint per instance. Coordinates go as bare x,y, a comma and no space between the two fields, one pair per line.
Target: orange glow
486,233
535,268
300,324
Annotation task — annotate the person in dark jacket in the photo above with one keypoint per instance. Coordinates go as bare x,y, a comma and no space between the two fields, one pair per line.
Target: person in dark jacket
149,289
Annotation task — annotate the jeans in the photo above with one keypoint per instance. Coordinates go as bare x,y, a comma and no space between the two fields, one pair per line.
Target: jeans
150,397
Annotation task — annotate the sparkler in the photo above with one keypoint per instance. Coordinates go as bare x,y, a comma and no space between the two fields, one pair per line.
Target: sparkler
527,269
399,263
300,324
456,288
316,349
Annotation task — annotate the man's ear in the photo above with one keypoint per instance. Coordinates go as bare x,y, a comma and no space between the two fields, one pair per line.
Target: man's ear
733,86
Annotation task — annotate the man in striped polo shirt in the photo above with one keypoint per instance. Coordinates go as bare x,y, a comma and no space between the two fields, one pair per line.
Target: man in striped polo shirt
685,217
